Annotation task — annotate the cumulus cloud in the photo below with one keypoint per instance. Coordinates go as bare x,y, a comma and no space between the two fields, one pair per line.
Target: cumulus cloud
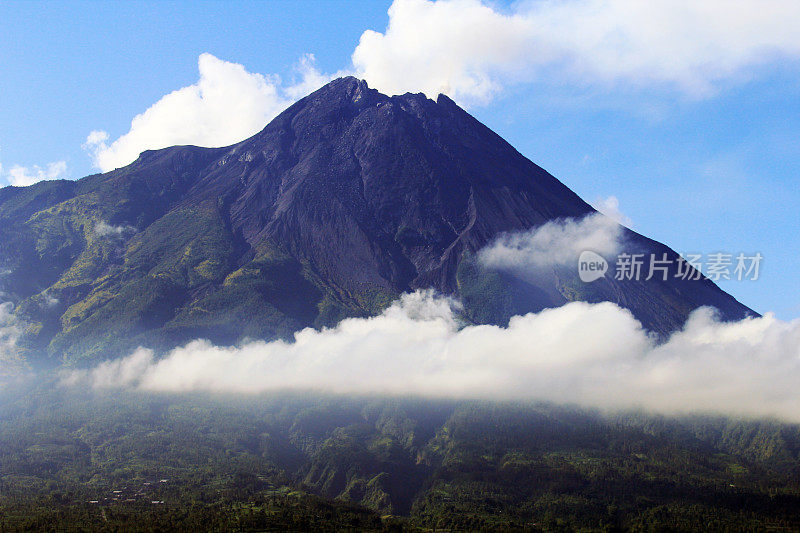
96,140
595,355
308,78
558,242
610,208
226,105
20,176
451,47
469,49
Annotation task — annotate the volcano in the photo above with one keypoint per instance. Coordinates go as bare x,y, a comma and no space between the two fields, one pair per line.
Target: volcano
343,202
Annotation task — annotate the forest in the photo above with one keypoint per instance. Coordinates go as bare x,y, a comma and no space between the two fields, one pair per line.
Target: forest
127,461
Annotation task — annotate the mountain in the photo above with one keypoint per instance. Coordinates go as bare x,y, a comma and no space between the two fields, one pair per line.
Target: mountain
344,201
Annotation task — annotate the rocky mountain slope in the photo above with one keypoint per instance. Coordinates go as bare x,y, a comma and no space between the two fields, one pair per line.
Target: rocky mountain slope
344,201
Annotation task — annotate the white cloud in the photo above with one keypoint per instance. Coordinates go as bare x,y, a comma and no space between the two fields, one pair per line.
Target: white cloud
10,331
104,229
96,138
610,208
469,50
595,355
20,176
48,300
9,328
309,78
559,242
226,105
452,47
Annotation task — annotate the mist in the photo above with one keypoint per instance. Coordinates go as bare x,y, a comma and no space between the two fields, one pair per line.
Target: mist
10,331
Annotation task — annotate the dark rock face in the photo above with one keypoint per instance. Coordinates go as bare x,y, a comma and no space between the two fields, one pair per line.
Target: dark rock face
345,200
382,191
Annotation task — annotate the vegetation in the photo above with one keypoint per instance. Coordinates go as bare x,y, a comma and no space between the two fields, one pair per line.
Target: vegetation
92,281
307,462
101,266
337,207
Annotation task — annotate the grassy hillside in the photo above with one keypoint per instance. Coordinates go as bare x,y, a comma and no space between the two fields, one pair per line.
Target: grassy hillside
90,282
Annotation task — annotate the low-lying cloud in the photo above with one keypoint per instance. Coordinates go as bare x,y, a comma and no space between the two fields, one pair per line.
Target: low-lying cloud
558,242
10,331
596,355
48,300
104,229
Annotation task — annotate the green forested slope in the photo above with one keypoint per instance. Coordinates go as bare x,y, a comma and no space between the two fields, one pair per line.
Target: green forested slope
252,463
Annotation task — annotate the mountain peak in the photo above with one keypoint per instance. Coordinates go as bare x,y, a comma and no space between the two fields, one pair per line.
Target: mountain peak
347,88
351,90
340,204
349,84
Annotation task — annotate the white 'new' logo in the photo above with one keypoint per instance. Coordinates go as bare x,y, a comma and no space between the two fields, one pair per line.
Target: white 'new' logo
591,266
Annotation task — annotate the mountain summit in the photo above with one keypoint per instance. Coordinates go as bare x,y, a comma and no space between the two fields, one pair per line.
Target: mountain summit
344,201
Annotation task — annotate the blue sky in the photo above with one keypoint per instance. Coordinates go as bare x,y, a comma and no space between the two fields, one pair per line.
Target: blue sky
693,125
